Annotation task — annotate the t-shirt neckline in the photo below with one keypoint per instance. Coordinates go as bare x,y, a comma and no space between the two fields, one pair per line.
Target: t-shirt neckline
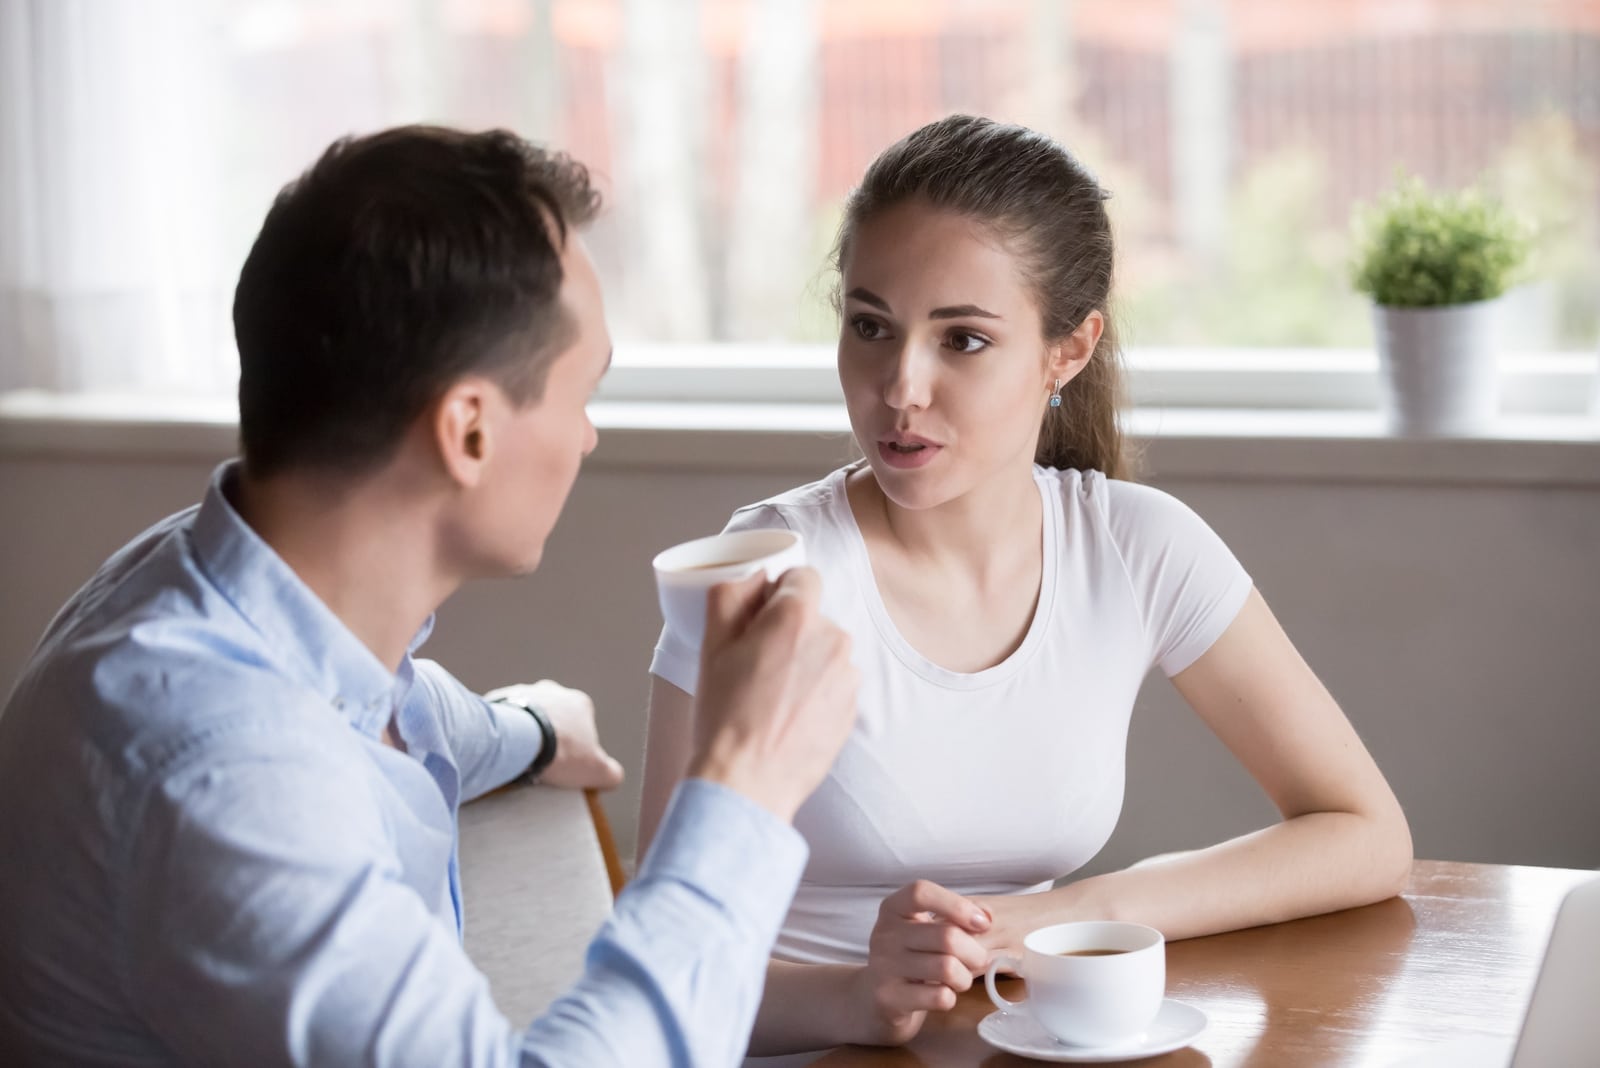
904,651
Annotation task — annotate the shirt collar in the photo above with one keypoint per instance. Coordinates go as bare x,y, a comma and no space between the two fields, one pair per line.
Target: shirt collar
309,642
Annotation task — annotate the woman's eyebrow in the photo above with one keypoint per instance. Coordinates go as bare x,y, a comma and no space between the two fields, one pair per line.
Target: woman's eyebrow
953,311
962,311
867,296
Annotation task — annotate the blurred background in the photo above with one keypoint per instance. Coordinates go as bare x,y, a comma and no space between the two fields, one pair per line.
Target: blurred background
1447,591
143,143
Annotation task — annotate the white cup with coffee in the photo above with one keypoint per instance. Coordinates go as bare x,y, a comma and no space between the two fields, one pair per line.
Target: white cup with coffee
684,573
1090,983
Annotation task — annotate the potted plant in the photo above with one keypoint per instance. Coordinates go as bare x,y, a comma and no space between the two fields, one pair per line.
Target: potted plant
1437,265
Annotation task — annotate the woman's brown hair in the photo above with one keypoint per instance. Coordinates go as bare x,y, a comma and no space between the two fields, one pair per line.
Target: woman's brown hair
1051,213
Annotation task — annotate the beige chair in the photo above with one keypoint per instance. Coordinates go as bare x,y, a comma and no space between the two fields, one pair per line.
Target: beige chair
539,870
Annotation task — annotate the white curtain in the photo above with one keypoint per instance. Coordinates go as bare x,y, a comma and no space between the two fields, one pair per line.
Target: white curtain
109,263
142,141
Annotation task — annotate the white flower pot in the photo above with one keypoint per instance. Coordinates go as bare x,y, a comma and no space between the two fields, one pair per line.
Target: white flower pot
1440,367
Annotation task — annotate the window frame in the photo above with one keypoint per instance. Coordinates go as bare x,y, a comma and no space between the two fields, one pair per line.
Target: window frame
1215,378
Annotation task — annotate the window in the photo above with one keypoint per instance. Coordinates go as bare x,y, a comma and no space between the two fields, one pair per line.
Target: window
144,141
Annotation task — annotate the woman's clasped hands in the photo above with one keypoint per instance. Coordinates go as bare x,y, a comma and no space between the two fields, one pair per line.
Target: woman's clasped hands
926,948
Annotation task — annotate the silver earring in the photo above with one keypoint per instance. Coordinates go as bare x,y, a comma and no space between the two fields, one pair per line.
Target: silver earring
1055,398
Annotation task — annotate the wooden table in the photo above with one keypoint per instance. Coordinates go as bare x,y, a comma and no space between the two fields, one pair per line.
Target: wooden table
1455,955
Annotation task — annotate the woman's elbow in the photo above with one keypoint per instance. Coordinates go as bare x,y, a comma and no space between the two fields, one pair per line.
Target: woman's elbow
1392,854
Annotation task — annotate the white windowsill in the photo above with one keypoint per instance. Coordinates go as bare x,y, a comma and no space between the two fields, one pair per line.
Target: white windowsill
1336,379
808,438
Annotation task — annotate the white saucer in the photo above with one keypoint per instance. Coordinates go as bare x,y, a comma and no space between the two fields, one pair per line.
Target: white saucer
1175,1026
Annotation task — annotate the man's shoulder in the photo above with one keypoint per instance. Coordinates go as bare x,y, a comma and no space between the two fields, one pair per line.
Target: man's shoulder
151,565
153,685
149,660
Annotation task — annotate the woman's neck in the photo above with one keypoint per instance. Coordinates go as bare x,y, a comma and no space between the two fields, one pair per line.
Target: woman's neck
979,533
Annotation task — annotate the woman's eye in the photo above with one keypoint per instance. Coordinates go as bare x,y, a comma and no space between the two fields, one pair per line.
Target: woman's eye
962,341
867,329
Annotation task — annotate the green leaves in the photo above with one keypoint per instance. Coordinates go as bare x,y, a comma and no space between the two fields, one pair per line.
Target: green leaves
1419,248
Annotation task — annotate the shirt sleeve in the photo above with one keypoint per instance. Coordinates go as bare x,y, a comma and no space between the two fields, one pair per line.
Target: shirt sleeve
1188,584
492,744
266,925
693,931
677,658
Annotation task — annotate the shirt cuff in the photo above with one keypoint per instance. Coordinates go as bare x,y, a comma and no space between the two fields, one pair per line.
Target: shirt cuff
520,741
731,849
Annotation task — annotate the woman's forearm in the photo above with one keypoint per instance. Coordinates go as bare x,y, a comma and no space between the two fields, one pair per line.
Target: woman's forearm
1314,863
806,1007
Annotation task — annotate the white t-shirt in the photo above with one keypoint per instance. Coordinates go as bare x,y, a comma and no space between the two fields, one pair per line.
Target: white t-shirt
1006,779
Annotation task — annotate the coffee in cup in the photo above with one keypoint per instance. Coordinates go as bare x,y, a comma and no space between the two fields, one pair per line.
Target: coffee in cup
684,573
1091,983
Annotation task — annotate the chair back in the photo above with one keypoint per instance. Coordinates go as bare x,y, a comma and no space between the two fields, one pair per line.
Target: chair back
536,884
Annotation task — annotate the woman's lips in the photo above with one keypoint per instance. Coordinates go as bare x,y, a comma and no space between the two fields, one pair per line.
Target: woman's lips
908,452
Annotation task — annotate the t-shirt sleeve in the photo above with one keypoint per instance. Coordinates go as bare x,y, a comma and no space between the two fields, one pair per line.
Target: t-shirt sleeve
1188,584
677,658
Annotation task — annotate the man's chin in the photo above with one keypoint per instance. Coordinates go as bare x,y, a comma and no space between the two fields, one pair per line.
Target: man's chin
492,567
525,565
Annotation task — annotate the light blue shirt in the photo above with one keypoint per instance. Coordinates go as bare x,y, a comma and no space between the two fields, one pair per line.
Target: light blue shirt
210,857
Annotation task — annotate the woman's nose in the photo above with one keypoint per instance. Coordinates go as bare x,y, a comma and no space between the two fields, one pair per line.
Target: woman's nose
909,382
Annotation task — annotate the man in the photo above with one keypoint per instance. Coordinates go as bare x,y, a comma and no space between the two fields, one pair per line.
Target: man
228,792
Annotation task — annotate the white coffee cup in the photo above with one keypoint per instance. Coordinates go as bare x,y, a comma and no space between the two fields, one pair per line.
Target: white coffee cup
684,573
1106,999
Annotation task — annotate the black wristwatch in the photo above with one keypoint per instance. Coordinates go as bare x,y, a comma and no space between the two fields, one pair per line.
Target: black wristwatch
547,737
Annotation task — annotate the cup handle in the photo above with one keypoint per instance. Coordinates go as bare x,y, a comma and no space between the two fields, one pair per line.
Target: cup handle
1011,964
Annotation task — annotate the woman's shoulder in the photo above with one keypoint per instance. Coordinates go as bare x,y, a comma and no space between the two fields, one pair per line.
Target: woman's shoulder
810,508
1128,511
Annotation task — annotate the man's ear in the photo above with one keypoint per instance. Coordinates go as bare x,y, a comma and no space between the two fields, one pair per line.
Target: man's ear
1072,353
459,421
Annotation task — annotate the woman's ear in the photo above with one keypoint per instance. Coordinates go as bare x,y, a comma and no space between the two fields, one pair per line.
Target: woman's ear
459,422
1072,353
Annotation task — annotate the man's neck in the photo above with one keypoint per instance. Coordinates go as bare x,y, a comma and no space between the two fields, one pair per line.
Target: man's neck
362,546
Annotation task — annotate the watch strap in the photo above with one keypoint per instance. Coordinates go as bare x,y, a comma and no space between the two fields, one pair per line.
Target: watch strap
547,737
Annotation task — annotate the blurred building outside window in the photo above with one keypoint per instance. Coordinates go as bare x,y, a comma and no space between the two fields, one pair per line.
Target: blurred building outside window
141,143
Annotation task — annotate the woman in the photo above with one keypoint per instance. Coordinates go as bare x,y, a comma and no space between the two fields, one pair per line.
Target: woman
1007,593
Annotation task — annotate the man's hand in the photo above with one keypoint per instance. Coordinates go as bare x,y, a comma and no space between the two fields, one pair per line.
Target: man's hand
581,762
777,694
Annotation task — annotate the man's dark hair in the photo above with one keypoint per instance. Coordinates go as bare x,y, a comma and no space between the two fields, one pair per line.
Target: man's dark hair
398,263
